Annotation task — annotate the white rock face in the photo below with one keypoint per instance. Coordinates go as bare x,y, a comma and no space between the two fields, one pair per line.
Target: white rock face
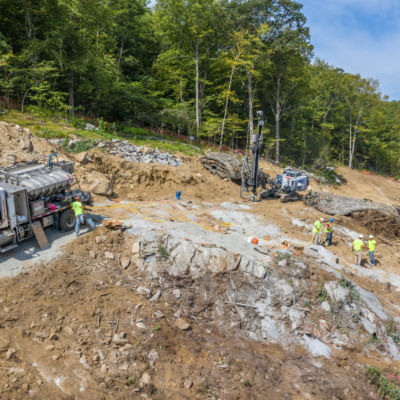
316,347
336,292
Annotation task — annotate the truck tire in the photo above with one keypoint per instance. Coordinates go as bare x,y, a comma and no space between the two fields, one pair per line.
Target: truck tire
67,220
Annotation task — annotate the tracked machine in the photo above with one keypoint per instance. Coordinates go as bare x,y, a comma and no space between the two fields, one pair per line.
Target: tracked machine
286,186
36,195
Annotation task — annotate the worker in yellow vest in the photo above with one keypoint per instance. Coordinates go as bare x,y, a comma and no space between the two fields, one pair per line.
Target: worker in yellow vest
80,215
317,230
328,232
371,249
358,245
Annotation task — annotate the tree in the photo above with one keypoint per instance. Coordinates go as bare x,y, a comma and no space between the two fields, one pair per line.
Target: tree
191,27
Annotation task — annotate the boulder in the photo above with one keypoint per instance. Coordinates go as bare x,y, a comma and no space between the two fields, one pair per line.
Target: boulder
181,324
82,158
97,183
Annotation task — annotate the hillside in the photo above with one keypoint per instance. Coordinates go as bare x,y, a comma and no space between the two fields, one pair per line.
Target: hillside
180,306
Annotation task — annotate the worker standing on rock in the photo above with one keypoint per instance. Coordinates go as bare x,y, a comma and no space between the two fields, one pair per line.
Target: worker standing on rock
328,232
80,215
371,249
358,245
317,229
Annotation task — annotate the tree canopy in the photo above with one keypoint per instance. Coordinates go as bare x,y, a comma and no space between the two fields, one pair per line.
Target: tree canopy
200,68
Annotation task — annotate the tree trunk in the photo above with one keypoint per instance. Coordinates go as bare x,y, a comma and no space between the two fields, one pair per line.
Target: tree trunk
71,96
23,100
251,118
350,139
226,107
353,142
277,114
305,143
277,136
121,51
196,61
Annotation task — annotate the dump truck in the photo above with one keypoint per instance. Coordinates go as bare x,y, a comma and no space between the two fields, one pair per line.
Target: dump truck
34,196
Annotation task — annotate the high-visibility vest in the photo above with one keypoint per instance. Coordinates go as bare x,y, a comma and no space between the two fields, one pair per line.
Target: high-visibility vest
329,227
371,245
77,207
358,245
317,227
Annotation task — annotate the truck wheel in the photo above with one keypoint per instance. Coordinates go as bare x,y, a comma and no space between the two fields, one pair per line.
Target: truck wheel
67,220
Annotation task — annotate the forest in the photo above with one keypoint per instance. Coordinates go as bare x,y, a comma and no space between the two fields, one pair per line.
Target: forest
199,68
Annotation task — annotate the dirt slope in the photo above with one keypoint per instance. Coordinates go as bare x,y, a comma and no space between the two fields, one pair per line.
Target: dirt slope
80,324
363,185
84,327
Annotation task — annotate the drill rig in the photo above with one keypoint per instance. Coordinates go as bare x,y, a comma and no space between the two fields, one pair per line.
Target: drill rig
286,185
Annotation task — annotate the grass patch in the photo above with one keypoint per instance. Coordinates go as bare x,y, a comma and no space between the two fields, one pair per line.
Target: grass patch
78,147
386,388
59,126
156,328
163,252
322,295
131,380
373,339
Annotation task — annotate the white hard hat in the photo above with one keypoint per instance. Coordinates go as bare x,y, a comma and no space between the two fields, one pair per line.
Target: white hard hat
321,219
360,236
371,236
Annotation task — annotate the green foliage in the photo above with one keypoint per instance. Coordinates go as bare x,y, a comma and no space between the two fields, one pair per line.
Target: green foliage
322,295
163,252
246,383
78,147
391,330
156,328
386,389
354,296
326,176
131,380
196,68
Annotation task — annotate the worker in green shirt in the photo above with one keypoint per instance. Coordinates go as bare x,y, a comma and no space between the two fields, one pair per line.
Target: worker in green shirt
358,245
371,249
80,215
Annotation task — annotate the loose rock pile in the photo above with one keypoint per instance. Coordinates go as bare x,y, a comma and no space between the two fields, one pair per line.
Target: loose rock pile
128,151
140,153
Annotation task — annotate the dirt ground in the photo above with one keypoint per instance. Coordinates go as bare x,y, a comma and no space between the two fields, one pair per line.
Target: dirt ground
77,328
78,325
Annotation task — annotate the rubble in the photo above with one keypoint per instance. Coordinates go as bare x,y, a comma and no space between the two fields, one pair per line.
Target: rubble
141,154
